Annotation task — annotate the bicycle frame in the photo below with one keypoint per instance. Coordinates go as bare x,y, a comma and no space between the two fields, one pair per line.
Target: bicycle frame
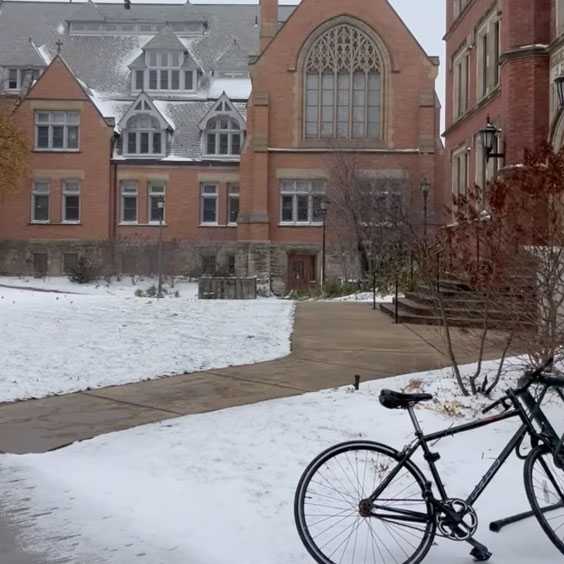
536,415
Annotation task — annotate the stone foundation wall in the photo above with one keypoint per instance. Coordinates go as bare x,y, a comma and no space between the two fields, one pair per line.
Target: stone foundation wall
265,261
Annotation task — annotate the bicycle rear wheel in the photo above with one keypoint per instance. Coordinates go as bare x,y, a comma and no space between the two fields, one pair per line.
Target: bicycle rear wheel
544,483
338,527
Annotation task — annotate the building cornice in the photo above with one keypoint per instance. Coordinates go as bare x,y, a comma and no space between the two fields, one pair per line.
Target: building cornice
534,50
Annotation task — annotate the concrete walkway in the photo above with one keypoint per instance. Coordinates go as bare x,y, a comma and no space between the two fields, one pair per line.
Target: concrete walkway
331,343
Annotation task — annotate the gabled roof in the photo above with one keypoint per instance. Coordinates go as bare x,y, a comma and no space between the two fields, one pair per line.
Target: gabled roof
144,103
165,39
233,58
25,53
223,107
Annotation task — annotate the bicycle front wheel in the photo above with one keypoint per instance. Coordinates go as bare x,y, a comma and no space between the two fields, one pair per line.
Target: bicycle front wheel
337,523
544,483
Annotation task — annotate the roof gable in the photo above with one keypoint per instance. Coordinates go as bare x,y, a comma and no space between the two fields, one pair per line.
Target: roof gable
143,104
165,39
58,81
232,59
223,107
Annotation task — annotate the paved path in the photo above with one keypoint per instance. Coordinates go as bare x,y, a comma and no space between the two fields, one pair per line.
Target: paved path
331,343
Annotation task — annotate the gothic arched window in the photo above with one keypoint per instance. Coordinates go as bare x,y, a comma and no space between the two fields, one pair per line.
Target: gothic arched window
343,86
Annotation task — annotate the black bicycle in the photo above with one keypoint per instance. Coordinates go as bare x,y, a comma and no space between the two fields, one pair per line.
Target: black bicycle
365,502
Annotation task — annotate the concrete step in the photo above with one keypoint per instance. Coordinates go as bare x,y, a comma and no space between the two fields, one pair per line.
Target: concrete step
463,301
405,316
469,309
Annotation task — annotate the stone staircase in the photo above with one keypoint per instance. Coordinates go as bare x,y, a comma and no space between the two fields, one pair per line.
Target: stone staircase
465,306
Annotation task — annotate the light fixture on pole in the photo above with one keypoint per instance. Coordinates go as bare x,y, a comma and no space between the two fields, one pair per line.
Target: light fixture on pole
559,83
160,206
488,137
323,209
425,188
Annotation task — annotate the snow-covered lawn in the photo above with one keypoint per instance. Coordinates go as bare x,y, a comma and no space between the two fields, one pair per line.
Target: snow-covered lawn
218,488
102,334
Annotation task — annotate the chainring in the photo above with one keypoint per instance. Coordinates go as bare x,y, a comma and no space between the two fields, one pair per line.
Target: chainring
462,530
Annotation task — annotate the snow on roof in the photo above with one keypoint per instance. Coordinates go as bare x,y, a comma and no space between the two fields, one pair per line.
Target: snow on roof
235,88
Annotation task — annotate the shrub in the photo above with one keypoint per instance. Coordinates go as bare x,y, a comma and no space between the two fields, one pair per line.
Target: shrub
84,271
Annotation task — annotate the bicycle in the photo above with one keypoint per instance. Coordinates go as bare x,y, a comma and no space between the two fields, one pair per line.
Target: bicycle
363,501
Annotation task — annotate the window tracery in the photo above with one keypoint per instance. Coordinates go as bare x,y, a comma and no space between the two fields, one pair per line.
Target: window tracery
343,84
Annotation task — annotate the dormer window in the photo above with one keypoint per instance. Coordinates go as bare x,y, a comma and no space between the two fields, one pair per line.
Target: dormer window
143,136
223,130
223,137
144,130
165,72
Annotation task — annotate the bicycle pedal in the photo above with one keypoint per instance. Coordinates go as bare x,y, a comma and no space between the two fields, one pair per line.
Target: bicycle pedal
480,554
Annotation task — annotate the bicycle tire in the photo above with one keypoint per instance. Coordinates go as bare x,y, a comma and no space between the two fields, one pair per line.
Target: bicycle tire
381,458
541,476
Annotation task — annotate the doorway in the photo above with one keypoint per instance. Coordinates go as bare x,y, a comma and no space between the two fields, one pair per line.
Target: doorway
301,271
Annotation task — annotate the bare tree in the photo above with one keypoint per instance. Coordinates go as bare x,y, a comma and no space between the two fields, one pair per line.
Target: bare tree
366,213
508,246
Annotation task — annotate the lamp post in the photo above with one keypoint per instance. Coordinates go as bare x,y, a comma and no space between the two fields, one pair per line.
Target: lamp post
488,137
323,208
160,206
559,83
425,188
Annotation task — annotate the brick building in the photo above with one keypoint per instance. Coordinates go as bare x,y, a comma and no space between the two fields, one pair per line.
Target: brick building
502,57
226,116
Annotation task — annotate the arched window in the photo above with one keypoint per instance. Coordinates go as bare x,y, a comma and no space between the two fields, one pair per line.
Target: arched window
343,86
223,137
143,136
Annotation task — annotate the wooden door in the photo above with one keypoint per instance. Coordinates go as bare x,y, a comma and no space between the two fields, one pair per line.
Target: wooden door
301,272
40,265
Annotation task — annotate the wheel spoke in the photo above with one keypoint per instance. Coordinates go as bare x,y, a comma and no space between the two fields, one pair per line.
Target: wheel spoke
544,482
336,527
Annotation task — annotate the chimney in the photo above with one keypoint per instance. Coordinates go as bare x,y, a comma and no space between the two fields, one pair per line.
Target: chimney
268,22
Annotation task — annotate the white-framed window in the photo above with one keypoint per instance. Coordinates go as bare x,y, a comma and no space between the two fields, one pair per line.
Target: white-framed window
143,136
381,203
559,19
164,72
71,201
300,201
223,137
460,83
14,79
458,7
157,189
232,203
18,78
57,130
460,171
208,214
343,86
488,38
40,202
129,194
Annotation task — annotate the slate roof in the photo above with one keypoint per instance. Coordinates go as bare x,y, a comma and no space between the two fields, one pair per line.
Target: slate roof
103,63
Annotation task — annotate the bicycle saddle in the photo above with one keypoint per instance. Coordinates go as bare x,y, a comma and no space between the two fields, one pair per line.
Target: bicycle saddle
396,400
